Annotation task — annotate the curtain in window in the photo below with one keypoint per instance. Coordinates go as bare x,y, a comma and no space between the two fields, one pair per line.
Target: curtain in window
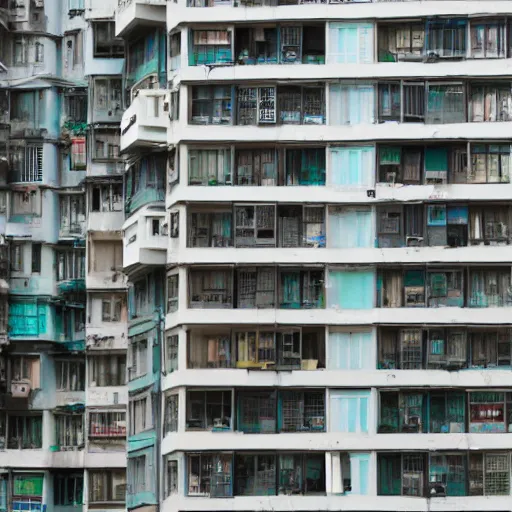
351,289
349,411
350,351
353,166
350,228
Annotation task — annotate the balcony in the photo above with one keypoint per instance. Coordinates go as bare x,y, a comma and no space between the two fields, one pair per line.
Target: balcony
291,348
439,348
445,412
145,238
132,13
145,121
443,474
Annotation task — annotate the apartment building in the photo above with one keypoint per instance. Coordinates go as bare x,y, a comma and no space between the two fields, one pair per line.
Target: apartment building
336,236
63,305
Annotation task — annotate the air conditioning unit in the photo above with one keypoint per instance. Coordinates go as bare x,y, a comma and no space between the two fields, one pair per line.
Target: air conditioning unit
20,388
414,241
436,177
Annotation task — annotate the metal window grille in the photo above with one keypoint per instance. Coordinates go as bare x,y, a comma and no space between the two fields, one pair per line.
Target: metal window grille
255,226
497,474
257,412
411,349
256,475
256,288
27,164
171,413
172,352
171,477
211,289
107,424
413,102
302,411
413,475
256,167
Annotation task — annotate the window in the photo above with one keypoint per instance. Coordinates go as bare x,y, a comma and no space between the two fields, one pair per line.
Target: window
256,105
490,103
305,167
351,289
107,197
27,492
210,228
490,163
352,166
489,474
488,39
172,293
26,163
72,214
446,38
27,50
210,289
171,353
78,161
351,104
301,226
446,103
210,410
76,108
349,411
23,107
106,144
171,413
137,474
350,351
26,203
401,474
70,375
111,309
68,489
211,474
351,43
73,50
70,264
175,50
140,414
108,94
254,167
255,226
210,47
401,42
39,53
402,101
171,477
36,258
138,353
107,424
211,104
301,105
107,370
107,486
302,473
26,368
209,167
69,430
17,257
25,432
174,113
106,44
